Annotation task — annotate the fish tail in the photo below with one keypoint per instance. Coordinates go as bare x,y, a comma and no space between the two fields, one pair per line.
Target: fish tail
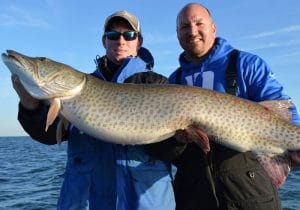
276,166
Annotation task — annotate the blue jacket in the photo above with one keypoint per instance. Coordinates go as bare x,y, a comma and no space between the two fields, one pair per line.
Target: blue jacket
105,176
256,81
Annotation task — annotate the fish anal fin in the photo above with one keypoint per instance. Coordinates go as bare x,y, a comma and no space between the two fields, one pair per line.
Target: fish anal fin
276,166
53,112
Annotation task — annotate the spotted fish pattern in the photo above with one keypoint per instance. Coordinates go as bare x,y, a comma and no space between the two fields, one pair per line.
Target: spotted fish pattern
143,114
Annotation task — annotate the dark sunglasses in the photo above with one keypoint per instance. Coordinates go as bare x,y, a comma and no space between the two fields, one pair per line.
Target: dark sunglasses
127,35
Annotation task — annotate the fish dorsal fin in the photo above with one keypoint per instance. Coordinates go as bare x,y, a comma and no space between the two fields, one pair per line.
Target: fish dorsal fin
53,112
279,107
276,166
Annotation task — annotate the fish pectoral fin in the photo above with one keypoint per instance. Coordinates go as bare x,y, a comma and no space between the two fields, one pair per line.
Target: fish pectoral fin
276,166
199,136
52,112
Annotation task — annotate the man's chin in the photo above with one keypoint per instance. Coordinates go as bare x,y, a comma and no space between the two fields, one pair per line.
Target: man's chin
196,49
120,59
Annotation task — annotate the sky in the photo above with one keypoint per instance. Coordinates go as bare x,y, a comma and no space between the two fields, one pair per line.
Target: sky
70,32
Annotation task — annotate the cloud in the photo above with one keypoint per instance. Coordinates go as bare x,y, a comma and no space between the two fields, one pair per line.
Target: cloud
268,45
16,16
281,38
292,54
282,31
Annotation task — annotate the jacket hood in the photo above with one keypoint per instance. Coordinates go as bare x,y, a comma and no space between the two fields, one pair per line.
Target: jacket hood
221,47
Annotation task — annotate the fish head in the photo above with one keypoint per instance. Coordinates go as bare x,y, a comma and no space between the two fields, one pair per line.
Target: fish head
42,77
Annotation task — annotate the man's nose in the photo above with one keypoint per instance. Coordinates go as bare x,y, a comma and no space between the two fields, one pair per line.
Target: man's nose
193,30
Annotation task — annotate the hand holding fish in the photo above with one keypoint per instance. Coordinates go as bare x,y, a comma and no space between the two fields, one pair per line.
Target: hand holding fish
26,99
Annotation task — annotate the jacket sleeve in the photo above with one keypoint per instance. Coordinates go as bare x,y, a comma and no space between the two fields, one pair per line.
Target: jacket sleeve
34,123
170,148
258,83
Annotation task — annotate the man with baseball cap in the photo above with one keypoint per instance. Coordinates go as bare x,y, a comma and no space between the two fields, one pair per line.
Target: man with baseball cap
101,175
131,19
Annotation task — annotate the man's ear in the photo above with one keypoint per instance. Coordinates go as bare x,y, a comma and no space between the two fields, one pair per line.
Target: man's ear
214,27
103,41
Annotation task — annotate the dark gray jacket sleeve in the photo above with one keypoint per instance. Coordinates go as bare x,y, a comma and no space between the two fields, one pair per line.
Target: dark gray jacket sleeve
34,123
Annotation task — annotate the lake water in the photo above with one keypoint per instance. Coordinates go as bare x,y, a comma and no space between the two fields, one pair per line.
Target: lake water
31,174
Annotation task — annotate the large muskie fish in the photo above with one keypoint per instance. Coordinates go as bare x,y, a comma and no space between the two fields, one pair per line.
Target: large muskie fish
142,114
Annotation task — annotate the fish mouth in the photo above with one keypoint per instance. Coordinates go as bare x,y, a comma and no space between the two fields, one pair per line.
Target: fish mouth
24,68
13,56
37,78
14,61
